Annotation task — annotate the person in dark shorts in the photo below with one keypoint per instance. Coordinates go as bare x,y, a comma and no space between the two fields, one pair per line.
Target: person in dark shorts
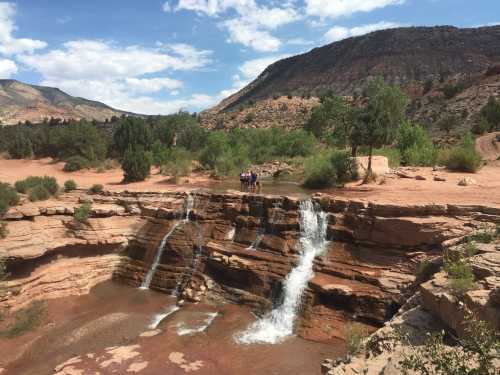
253,180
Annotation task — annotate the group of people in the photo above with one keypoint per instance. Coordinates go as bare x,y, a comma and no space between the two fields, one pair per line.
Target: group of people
250,182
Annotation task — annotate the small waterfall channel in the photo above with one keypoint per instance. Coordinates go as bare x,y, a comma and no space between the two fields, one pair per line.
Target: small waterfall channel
279,323
146,283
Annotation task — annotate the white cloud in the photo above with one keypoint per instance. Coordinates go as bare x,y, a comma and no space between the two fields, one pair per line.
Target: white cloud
152,85
340,8
120,76
252,25
89,59
250,35
7,68
10,45
166,7
248,71
338,32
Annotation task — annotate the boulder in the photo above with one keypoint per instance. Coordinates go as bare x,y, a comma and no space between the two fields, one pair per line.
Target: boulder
467,181
380,165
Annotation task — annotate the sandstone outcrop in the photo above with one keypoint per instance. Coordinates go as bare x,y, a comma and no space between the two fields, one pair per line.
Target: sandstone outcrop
235,247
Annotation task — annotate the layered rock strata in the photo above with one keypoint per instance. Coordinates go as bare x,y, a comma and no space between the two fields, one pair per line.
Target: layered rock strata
234,247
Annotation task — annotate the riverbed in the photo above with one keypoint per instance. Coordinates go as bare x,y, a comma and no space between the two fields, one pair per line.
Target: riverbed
112,331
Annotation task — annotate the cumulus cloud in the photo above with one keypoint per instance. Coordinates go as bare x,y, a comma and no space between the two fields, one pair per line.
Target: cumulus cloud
340,8
7,68
252,24
248,71
120,76
338,32
9,45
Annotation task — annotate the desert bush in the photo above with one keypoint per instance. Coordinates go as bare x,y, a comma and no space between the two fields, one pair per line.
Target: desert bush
38,193
249,118
136,164
319,172
76,163
329,169
464,158
474,354
96,189
70,185
484,235
26,320
491,113
177,162
354,339
415,146
460,275
29,183
450,90
82,213
8,197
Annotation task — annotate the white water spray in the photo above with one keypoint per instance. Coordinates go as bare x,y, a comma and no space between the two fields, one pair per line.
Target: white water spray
159,317
279,323
146,283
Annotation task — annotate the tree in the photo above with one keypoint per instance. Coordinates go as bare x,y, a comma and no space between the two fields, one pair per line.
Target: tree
334,118
491,112
217,145
132,132
136,164
380,119
20,147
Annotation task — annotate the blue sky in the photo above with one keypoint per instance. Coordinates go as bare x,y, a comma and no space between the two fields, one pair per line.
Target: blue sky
157,56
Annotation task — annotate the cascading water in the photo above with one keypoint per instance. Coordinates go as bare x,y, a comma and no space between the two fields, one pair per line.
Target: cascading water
279,323
146,283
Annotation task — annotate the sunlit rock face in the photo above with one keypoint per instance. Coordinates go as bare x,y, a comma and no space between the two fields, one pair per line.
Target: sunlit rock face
233,247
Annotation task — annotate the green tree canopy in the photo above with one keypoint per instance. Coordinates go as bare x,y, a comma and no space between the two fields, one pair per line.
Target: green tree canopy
381,117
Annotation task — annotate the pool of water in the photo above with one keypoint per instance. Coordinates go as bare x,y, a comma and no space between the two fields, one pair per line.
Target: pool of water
268,186
115,330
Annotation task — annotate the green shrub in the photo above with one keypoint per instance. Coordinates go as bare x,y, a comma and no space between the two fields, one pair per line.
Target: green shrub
415,146
96,189
177,162
70,185
426,269
82,213
354,339
451,90
249,118
470,248
319,173
26,320
326,170
48,183
464,158
8,197
21,146
136,164
38,193
484,235
3,230
474,354
448,123
76,163
461,277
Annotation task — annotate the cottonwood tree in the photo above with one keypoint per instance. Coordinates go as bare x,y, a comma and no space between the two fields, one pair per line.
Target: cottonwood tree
380,119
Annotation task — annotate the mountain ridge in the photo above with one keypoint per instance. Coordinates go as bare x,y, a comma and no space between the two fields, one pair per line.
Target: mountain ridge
408,57
20,102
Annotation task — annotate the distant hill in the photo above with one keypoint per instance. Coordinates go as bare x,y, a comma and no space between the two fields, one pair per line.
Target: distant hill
23,102
424,61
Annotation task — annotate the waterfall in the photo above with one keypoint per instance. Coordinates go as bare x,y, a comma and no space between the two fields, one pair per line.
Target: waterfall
146,283
279,323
